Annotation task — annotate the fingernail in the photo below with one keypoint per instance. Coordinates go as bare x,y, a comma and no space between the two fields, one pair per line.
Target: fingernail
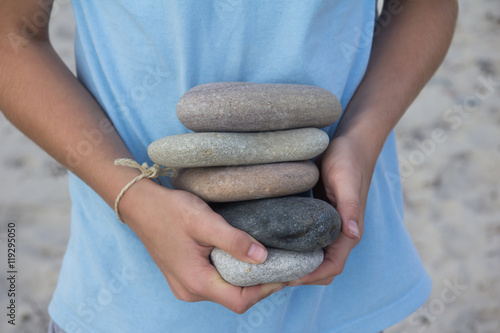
257,252
353,228
278,289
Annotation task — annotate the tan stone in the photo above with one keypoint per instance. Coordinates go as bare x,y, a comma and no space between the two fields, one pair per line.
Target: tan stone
224,184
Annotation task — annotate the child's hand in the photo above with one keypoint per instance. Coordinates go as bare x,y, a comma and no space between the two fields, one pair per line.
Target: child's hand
346,174
179,230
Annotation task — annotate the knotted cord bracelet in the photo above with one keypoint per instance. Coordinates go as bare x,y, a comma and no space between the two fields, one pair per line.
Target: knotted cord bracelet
146,172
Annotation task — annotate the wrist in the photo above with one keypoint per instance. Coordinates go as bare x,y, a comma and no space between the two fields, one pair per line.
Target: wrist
366,129
134,203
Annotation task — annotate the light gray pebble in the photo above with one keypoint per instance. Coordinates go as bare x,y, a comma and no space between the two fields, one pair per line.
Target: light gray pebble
280,266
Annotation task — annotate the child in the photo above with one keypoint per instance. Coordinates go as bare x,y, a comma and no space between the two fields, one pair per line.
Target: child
135,60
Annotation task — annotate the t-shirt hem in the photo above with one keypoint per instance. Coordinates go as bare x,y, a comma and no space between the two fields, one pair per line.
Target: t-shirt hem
376,321
65,319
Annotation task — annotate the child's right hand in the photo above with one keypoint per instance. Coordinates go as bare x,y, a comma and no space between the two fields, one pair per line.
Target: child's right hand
179,230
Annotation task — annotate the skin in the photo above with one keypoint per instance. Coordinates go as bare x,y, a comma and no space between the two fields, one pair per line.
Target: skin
42,98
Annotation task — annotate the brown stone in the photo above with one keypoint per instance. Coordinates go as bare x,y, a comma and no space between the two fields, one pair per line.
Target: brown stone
224,184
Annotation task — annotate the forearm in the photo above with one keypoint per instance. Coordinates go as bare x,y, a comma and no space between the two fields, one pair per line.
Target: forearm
405,54
40,96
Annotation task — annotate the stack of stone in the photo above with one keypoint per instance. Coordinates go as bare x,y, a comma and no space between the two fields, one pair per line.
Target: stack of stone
250,153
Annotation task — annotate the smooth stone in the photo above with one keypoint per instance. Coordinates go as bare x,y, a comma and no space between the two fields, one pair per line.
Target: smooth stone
251,107
290,223
223,149
237,183
280,266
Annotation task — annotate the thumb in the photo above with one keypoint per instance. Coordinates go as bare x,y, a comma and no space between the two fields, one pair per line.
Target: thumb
215,231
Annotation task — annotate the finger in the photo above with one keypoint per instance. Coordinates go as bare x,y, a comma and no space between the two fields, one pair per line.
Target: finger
237,299
215,231
333,264
346,194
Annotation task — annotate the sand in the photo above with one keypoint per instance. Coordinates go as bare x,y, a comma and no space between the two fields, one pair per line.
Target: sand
450,164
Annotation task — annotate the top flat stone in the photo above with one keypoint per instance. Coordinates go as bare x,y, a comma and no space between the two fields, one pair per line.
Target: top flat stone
252,107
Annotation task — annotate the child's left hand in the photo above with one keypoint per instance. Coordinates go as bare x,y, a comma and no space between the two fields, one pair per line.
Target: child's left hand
346,174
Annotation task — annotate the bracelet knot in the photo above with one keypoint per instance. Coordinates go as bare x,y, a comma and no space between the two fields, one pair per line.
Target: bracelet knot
152,172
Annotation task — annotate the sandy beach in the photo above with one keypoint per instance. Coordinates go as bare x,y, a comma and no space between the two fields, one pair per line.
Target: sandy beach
449,145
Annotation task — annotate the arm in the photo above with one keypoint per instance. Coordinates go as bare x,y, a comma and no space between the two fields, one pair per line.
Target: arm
404,56
40,96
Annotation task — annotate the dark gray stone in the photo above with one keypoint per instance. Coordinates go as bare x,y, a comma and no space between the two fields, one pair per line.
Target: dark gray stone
251,107
289,223
225,149
280,266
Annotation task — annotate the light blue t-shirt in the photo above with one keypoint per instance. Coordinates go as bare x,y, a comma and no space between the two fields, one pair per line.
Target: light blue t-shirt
137,58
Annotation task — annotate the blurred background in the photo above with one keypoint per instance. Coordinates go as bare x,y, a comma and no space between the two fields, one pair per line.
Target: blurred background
449,145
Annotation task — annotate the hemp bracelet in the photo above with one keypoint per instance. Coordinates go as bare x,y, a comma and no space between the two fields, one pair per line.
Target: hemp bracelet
153,172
